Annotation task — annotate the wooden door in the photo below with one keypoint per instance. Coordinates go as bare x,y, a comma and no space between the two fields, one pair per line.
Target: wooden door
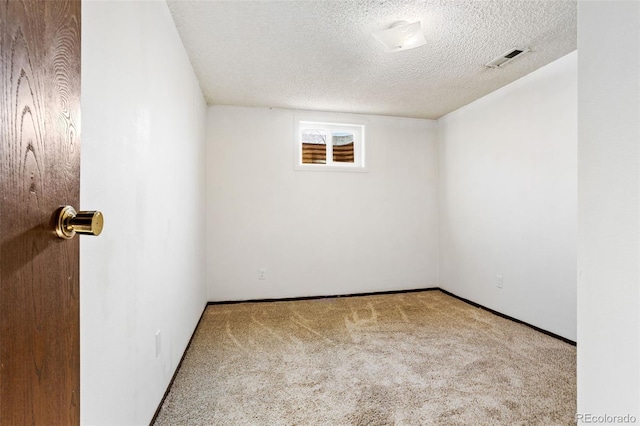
39,172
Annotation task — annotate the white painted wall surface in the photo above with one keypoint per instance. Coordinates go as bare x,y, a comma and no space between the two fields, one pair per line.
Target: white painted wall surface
143,124
508,198
609,208
318,233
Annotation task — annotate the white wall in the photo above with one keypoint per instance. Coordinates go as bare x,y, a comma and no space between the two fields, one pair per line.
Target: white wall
609,208
318,233
508,198
143,123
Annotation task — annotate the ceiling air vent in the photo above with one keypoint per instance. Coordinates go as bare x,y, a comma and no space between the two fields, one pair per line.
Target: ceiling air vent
507,57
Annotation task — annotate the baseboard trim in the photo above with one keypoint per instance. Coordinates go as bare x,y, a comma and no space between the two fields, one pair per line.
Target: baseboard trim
293,299
500,314
175,373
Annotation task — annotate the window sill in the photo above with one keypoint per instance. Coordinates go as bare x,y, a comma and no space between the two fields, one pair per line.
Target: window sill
325,168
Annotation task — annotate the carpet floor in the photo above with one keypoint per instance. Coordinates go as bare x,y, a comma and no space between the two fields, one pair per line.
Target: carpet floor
421,358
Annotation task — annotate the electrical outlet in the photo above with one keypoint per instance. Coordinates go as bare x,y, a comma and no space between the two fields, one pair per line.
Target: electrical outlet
262,274
499,281
158,342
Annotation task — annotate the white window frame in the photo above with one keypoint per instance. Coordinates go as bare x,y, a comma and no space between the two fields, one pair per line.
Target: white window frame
358,131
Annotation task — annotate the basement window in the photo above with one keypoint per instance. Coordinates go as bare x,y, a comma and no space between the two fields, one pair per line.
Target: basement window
329,146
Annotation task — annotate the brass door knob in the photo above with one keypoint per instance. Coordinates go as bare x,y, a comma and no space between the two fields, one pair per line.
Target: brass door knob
84,222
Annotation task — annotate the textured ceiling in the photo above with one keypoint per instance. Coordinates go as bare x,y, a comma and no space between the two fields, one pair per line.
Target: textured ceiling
320,55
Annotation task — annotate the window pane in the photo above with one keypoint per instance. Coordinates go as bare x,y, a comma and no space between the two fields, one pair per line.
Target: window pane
314,146
343,147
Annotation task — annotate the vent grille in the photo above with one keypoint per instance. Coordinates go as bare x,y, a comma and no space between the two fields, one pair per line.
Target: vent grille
507,57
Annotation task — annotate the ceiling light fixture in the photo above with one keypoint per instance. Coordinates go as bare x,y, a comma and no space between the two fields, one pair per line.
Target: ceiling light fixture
401,36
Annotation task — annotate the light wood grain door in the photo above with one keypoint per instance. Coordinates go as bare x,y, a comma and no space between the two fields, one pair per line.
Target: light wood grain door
39,172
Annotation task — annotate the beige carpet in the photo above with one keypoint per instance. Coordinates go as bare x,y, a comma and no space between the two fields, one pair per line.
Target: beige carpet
407,359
